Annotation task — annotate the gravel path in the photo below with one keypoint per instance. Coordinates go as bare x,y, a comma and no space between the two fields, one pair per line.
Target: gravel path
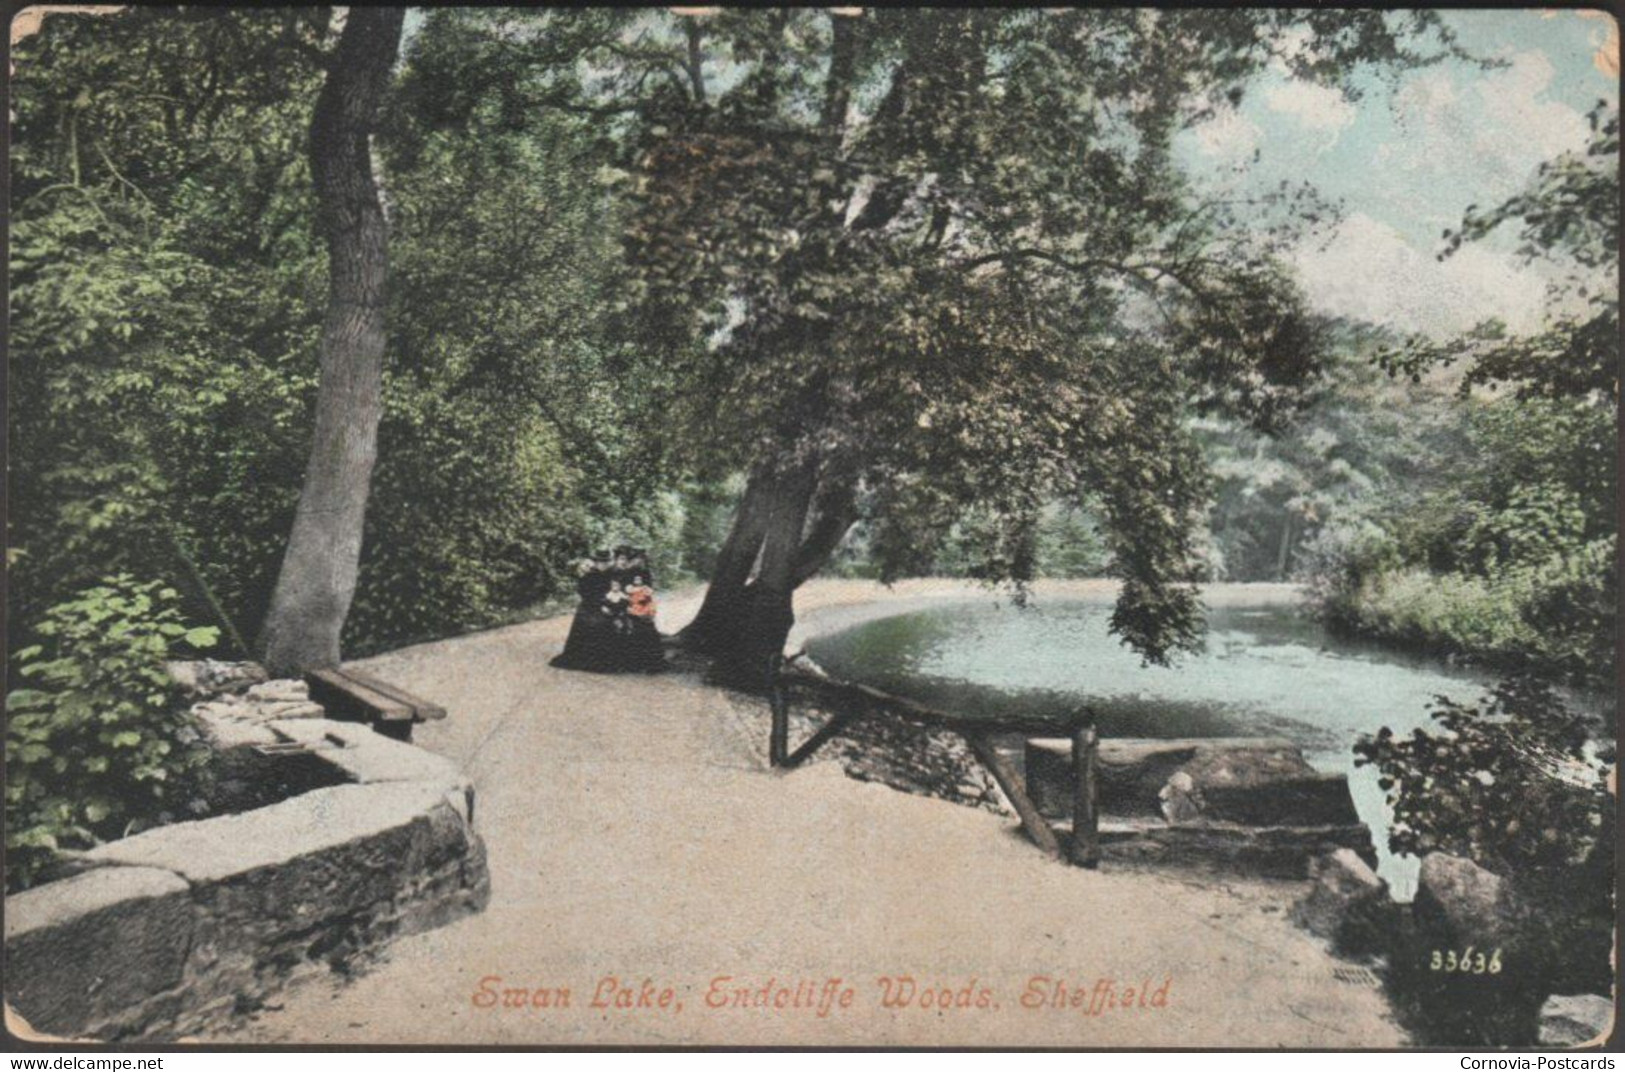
635,834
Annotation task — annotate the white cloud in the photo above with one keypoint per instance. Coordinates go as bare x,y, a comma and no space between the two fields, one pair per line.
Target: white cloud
1497,135
1519,119
1369,271
1228,137
1317,108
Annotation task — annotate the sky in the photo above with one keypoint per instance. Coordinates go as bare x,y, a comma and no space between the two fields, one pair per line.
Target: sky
1407,157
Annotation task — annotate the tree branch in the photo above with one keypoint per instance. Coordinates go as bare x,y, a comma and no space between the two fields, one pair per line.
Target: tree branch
838,83
696,61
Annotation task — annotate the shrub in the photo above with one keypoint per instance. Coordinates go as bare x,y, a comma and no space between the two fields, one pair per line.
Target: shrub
1513,783
1555,615
97,744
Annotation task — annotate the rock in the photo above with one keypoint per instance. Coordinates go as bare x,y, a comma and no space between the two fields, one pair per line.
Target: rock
202,678
88,952
1268,786
1469,903
1347,904
1181,800
1575,1019
283,690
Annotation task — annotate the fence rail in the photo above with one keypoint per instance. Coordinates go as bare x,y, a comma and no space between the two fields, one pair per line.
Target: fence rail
850,701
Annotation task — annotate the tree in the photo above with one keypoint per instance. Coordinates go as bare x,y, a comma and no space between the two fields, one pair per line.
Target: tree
168,288
1362,443
162,324
1530,517
512,436
318,578
946,264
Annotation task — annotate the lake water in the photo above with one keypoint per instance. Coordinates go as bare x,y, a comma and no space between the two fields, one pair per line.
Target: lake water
1265,671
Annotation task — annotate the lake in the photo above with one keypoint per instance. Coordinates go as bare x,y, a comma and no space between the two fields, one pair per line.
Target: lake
1266,670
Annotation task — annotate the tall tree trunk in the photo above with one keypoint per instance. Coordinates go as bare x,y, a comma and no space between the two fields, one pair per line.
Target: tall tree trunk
318,576
765,624
787,525
717,623
1284,552
834,511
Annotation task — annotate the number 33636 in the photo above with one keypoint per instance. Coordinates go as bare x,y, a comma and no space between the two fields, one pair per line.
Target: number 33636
1468,961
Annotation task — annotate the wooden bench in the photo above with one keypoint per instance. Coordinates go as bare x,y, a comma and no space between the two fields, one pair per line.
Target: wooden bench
356,696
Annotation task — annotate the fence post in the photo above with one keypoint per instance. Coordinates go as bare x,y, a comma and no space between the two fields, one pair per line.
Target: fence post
778,739
1085,847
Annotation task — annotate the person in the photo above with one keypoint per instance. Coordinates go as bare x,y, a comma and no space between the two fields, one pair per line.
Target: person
594,640
644,651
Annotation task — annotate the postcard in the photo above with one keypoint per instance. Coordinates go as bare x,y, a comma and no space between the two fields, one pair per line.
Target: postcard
1012,527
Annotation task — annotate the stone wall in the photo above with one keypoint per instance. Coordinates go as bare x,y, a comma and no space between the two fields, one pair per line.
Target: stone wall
184,926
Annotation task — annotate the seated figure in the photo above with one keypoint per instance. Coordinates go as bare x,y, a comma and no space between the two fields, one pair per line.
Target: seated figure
614,626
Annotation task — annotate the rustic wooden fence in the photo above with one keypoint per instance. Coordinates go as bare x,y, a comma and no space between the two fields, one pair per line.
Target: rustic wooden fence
851,701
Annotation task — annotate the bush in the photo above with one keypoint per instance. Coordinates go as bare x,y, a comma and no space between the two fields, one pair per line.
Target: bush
98,745
1554,615
1338,564
1512,783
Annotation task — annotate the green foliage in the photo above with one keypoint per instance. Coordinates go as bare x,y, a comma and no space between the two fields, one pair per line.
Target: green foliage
97,742
163,277
1505,554
167,290
1511,783
945,253
707,509
1361,442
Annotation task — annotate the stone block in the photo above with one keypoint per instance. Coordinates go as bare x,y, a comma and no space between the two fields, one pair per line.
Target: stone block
290,709
91,950
282,690
312,824
227,735
180,927
368,757
1259,781
1313,798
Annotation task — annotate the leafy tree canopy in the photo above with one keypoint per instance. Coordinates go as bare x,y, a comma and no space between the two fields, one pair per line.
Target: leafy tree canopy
945,256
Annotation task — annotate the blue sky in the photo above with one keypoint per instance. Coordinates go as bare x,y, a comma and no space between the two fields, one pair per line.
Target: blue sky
1408,156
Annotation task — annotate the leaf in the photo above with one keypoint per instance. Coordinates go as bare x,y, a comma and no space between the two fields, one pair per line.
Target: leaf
26,699
202,636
